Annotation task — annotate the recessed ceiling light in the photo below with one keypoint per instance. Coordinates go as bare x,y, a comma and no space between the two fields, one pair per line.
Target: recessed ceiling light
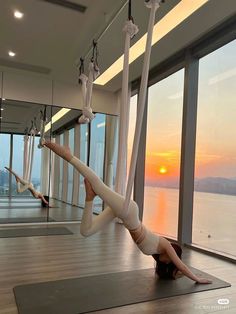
18,14
2,109
3,98
11,53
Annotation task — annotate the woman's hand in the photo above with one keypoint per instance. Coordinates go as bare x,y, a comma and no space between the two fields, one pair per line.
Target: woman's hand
203,280
90,194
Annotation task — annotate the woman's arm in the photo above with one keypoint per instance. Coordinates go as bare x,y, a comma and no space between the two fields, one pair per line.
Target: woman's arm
181,266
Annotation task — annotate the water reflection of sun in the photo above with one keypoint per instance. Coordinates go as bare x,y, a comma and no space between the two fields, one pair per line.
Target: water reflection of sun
162,170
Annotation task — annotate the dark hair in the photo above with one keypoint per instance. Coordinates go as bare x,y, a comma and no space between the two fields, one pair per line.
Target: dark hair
164,270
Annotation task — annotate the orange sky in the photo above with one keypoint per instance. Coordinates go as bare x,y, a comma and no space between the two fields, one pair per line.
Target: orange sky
215,148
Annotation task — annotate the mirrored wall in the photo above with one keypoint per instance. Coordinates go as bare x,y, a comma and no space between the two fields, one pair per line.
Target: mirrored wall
19,140
50,175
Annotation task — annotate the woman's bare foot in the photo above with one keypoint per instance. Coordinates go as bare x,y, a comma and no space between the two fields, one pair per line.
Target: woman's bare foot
90,194
62,151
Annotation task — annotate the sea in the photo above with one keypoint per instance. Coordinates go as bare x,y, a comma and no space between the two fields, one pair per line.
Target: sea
214,217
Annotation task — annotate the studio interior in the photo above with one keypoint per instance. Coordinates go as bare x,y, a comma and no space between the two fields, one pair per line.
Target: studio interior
117,156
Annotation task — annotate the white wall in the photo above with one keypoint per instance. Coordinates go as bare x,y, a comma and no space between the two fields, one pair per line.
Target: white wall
0,84
68,95
27,88
38,89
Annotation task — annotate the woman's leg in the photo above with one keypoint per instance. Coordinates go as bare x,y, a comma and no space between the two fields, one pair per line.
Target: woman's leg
90,225
22,185
111,198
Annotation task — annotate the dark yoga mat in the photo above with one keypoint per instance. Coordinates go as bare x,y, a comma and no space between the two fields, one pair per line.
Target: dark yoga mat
24,220
29,232
94,293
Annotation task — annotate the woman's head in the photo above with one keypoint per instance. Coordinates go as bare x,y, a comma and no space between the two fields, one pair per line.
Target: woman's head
164,267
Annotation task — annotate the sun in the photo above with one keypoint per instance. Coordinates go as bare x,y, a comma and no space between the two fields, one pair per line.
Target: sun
162,170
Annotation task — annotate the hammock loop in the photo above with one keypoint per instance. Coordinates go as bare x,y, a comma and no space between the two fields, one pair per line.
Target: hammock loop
87,86
43,120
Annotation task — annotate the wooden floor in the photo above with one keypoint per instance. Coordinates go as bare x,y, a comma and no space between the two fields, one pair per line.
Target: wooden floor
25,207
39,259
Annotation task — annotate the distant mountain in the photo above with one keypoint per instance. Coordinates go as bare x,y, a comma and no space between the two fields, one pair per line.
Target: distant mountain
216,185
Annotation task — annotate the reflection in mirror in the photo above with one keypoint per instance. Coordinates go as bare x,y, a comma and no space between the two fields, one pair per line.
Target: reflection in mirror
94,143
23,181
64,130
86,142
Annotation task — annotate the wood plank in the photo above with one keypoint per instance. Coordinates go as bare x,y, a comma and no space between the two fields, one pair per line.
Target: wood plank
39,259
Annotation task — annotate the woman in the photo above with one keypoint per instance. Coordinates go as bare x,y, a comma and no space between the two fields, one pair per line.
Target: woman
23,185
149,243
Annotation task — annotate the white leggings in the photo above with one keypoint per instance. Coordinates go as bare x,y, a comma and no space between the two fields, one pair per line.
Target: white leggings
115,203
23,185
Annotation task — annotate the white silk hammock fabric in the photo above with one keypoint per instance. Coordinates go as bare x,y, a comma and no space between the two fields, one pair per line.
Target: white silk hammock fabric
25,157
130,30
153,5
87,89
28,155
43,122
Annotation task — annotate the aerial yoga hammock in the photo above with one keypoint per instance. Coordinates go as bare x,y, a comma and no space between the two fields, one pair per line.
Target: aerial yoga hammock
167,255
43,121
24,183
87,85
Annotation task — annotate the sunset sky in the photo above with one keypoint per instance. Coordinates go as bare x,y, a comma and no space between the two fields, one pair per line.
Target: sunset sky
216,131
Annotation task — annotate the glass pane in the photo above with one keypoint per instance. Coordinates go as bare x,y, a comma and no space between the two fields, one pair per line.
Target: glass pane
70,167
163,148
4,162
83,157
97,147
214,215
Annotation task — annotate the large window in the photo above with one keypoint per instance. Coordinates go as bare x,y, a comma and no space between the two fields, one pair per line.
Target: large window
214,215
4,162
161,195
83,157
70,167
97,148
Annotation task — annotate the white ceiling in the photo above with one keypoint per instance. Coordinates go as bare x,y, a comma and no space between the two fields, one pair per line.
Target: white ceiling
52,37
